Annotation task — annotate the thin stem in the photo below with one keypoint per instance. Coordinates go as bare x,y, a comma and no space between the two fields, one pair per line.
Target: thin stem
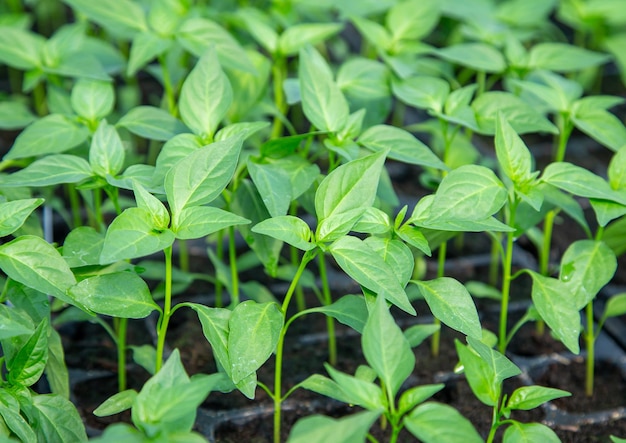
167,308
72,195
590,344
39,96
441,271
183,255
294,254
167,87
494,262
234,276
219,251
565,129
330,323
506,278
481,78
279,72
97,205
122,326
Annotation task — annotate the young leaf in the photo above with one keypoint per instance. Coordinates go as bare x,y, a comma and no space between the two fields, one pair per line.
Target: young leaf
123,17
116,403
50,170
530,397
349,310
299,35
14,323
438,423
132,234
92,99
422,92
82,247
119,294
51,134
200,221
412,20
152,123
529,432
287,228
321,429
274,185
215,327
416,334
365,266
10,413
373,32
324,386
15,115
14,213
27,366
480,375
56,370
21,49
147,201
205,96
358,392
106,154
57,419
514,158
602,126
552,299
323,102
144,48
201,176
386,349
450,302
478,56
562,57
416,395
615,306
502,367
37,264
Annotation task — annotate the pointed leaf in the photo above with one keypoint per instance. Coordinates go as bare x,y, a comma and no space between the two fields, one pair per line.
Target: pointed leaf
145,47
349,310
530,397
21,49
287,228
321,429
215,327
200,221
151,123
57,419
478,56
14,213
298,35
438,423
122,17
274,185
529,433
562,57
92,99
27,366
106,154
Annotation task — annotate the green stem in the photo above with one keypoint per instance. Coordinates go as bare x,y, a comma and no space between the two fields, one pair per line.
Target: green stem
234,276
167,309
122,325
97,205
39,96
494,263
167,87
219,251
481,78
441,271
590,344
330,323
72,194
565,129
295,259
279,72
183,255
506,278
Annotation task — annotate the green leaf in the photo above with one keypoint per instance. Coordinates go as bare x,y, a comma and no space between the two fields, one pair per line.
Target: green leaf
119,294
287,228
201,176
413,19
92,99
116,403
145,47
122,17
349,310
299,35
480,375
14,213
51,134
323,102
254,329
358,392
151,123
401,144
10,413
324,386
602,126
373,32
15,115
274,185
502,367
396,254
562,57
367,267
21,49
27,366
200,221
386,349
154,206
56,371
438,423
132,234
14,322
57,419
529,433
205,96
215,327
414,237
615,306
450,302
198,34
514,157
552,299
37,264
50,170
321,429
617,169
422,92
530,397
82,247
347,191
586,266
416,334
106,154
481,57
416,395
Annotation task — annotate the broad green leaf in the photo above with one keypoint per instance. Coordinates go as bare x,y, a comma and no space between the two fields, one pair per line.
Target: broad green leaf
422,92
323,102
523,117
562,57
549,90
151,123
15,115
254,329
51,134
367,267
92,99
205,96
349,310
480,375
27,366
35,304
586,266
119,294
478,56
413,19
615,306
274,186
51,170
158,211
14,322
116,403
201,176
13,420
175,149
322,429
167,15
617,169
198,34
215,327
37,264
82,247
122,17
530,397
120,432
414,237
299,35
401,144
438,423
416,395
78,65
450,302
514,157
145,47
57,419
603,127
503,368
324,386
200,221
373,221
518,432
259,28
243,129
301,173
350,187
132,234
56,371
556,306
416,334
373,32
14,213
386,349
396,254
358,392
106,154
21,49
287,228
